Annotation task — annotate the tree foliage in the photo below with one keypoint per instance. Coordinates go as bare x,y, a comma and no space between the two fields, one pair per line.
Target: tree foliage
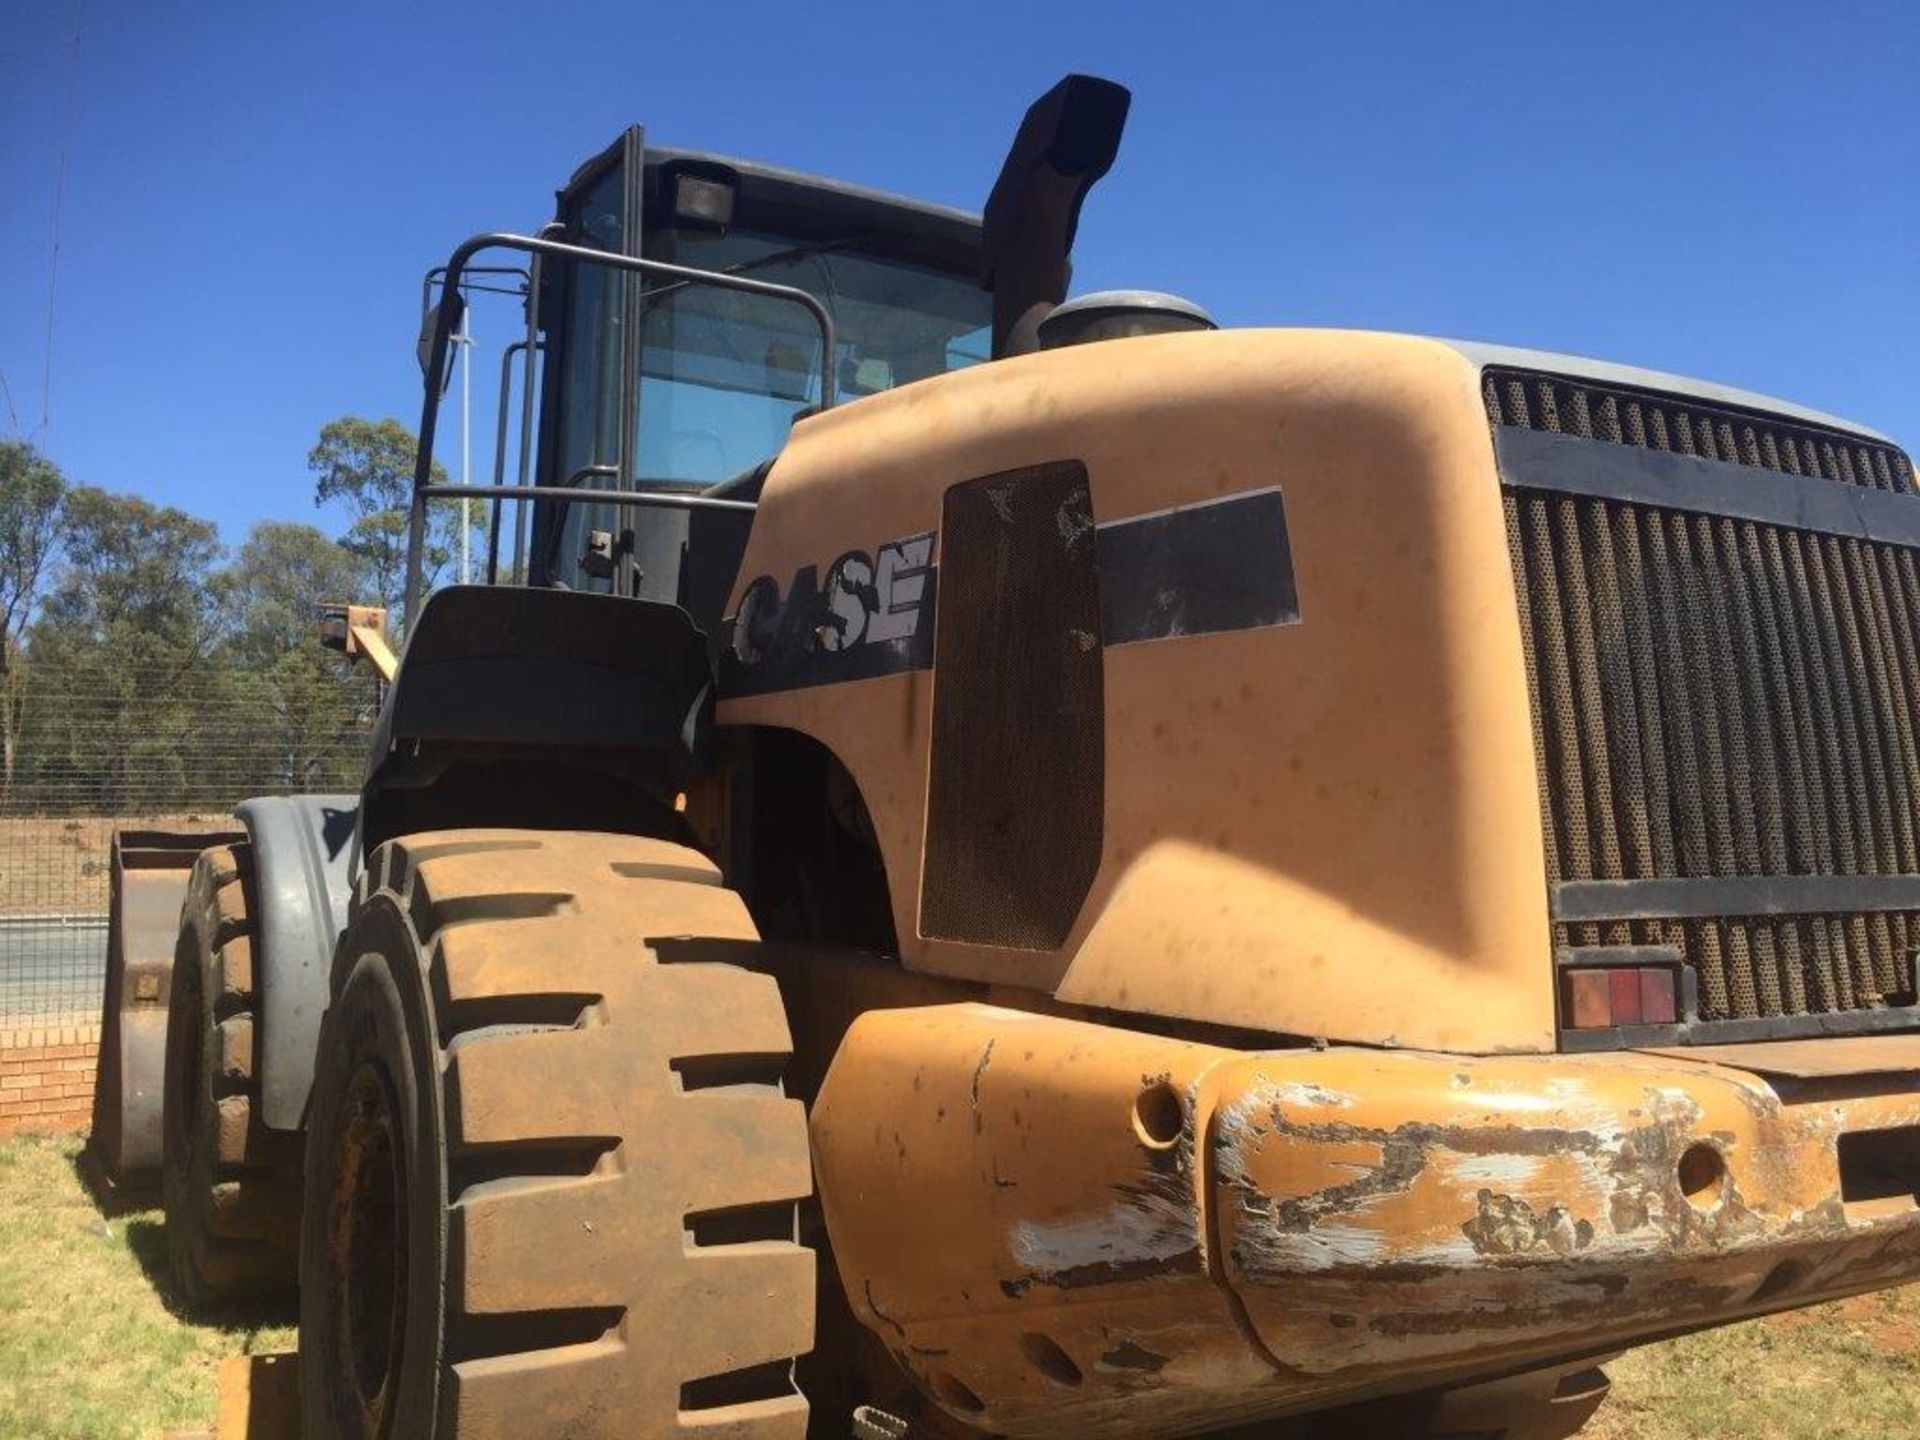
31,491
133,609
280,574
368,465
133,570
146,665
297,704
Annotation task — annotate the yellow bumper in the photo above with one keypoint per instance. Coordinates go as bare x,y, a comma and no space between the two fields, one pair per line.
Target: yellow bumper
1052,1221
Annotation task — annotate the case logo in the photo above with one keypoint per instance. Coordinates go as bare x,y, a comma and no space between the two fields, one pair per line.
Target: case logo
869,618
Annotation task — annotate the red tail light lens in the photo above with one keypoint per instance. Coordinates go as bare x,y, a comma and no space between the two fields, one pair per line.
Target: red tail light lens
1600,999
1623,987
1658,1004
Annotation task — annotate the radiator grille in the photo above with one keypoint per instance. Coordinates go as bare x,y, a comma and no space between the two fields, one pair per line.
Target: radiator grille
1530,401
1722,697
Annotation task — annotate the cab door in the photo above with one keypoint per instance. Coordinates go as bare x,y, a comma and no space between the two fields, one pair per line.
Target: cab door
590,381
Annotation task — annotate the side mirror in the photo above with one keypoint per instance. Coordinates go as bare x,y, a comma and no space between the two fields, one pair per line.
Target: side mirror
423,348
360,633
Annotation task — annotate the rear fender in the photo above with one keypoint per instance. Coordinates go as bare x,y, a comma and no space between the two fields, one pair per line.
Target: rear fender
304,859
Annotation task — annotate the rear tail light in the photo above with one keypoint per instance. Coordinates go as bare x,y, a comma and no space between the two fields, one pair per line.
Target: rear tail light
1605,997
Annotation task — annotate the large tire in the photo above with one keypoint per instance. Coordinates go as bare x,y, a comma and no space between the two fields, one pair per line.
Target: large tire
231,1188
551,1176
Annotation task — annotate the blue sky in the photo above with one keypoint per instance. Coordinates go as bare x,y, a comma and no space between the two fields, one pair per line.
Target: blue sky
253,190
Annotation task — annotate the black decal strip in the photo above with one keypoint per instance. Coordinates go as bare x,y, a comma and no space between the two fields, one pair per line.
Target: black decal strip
1709,897
1569,465
1201,569
1197,570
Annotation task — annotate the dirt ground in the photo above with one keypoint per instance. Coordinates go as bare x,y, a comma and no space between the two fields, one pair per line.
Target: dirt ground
95,1346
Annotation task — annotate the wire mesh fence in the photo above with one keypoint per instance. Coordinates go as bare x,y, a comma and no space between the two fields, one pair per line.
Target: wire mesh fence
84,759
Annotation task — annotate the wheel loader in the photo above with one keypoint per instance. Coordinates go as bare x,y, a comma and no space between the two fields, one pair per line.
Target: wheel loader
997,864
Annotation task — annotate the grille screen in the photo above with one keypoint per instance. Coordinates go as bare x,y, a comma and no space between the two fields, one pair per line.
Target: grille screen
1017,775
1723,697
1659,422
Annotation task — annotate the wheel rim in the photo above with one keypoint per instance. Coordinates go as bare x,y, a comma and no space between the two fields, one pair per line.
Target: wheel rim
368,1238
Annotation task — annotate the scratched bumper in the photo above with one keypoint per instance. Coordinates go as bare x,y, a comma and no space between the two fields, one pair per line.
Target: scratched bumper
1410,1209
1052,1222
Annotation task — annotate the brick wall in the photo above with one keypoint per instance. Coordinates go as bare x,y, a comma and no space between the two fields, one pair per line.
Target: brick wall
46,1080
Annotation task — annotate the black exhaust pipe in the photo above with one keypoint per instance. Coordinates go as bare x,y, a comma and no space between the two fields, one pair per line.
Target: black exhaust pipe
1067,142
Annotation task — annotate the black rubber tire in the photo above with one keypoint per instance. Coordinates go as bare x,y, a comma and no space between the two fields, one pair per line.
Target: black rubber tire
229,1186
542,1131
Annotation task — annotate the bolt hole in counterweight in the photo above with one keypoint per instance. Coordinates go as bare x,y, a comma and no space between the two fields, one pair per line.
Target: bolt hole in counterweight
1880,1171
1702,1174
1159,1116
1046,1356
1783,1277
954,1393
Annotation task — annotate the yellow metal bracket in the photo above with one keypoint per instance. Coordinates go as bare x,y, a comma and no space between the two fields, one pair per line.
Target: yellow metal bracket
360,633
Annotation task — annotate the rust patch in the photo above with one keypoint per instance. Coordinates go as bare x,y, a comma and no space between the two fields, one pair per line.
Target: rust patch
1105,1272
1506,1225
1337,1243
1129,1356
1627,1210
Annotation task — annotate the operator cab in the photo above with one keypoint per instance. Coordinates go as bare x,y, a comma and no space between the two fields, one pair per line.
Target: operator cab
706,398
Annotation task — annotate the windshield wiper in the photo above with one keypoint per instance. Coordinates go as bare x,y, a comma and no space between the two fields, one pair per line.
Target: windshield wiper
759,262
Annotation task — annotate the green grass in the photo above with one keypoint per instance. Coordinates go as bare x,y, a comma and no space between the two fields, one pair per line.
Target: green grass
93,1342
94,1345
1845,1371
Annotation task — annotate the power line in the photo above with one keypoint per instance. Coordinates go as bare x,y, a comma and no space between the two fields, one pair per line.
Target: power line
59,195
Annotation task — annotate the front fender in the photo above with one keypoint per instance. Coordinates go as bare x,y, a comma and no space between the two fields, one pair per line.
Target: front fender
537,708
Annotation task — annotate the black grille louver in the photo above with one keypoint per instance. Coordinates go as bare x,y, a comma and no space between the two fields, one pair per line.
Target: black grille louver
1717,696
1530,401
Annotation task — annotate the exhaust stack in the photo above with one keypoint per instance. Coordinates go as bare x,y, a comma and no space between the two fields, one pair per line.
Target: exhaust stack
1067,141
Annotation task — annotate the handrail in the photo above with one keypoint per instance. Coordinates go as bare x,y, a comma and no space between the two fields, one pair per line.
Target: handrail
500,449
424,489
438,275
661,499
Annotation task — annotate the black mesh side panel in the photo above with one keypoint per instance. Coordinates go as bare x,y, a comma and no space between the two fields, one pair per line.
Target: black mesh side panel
1720,696
1017,774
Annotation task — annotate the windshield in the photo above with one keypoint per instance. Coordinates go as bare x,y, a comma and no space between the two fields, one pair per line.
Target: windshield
724,374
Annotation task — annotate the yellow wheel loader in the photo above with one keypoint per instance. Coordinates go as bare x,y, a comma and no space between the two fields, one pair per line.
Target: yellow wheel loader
1010,866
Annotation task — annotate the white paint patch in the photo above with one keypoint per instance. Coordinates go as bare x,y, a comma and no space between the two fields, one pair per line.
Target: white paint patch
1563,1088
1322,1248
1509,1172
1147,1228
1236,1119
1301,1092
1457,1253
